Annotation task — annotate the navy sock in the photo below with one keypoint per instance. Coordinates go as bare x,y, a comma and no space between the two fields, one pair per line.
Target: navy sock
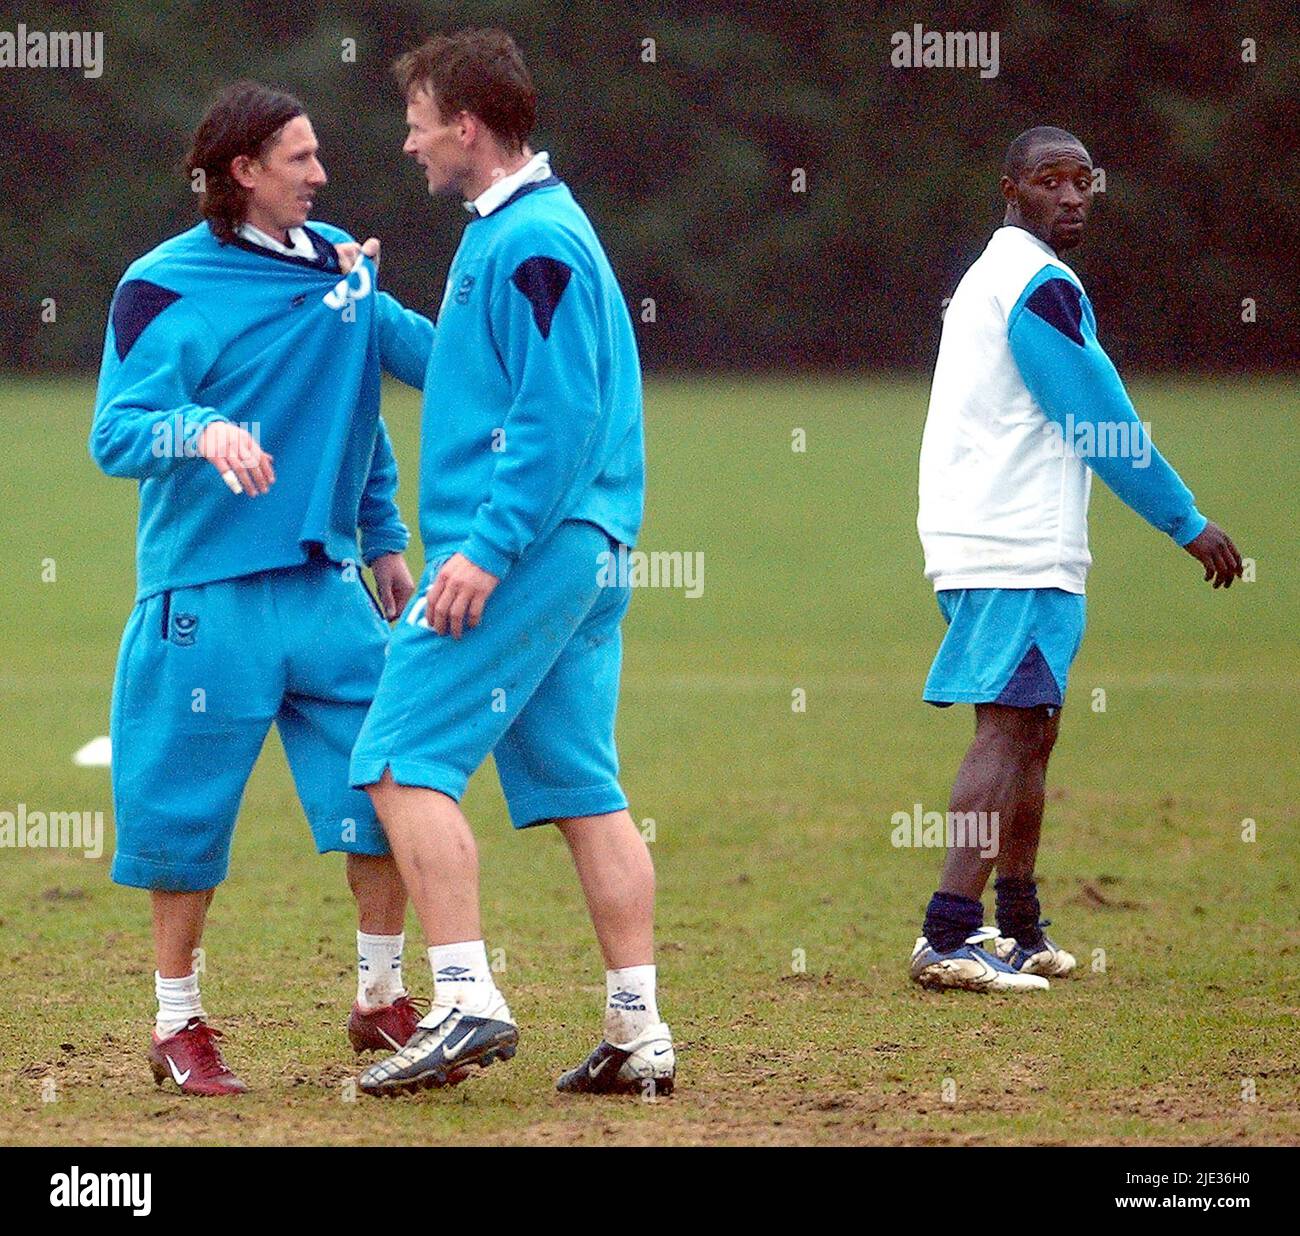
1018,909
949,919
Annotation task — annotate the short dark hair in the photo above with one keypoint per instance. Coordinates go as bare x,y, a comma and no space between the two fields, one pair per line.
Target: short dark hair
244,119
477,71
1017,162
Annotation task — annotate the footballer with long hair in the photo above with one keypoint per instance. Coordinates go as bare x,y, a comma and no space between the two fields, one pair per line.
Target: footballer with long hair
240,390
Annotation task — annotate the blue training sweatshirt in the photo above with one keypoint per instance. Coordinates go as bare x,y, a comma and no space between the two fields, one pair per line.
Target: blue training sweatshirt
201,331
1052,332
532,401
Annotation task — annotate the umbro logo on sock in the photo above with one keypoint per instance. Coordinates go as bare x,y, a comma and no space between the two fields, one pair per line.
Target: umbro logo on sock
626,1002
455,974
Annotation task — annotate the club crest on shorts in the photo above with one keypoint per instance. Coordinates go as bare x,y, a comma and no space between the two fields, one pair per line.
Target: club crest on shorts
184,627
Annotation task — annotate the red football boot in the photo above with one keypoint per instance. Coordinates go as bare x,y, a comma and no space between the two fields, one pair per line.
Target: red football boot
386,1028
193,1059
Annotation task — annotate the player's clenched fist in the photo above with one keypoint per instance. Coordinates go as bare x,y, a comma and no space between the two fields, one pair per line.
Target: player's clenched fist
350,250
234,452
456,599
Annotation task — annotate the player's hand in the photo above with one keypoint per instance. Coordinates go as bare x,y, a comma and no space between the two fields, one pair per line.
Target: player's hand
1214,550
242,464
457,596
349,251
394,582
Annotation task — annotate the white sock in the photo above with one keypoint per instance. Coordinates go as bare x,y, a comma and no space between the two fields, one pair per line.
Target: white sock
379,969
178,1003
629,1003
462,977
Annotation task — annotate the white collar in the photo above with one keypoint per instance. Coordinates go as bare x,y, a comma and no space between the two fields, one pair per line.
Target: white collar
1022,233
499,191
299,245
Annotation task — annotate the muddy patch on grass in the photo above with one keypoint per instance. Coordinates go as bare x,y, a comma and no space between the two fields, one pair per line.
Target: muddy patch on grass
763,1115
1091,896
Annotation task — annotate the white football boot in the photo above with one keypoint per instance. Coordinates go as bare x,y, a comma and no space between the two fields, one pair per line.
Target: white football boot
1047,959
445,1043
645,1066
970,968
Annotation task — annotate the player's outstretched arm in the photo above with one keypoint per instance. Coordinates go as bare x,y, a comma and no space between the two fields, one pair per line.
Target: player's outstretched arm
1052,334
405,336
405,341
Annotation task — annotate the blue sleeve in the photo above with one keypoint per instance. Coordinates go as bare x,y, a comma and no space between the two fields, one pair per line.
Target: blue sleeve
543,322
157,351
405,341
380,523
405,337
1053,337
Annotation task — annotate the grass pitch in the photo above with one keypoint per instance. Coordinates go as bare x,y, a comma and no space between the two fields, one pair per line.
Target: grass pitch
785,914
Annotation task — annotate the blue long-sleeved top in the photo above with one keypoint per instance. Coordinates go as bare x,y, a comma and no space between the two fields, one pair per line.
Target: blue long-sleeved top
201,331
1052,331
532,401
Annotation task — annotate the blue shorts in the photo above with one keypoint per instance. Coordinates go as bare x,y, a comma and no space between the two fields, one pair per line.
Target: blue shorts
535,683
202,674
1010,646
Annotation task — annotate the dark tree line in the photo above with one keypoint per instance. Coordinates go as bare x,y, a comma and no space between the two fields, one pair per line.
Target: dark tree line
785,197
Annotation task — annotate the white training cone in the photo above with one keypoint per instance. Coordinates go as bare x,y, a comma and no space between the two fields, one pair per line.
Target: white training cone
97,753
